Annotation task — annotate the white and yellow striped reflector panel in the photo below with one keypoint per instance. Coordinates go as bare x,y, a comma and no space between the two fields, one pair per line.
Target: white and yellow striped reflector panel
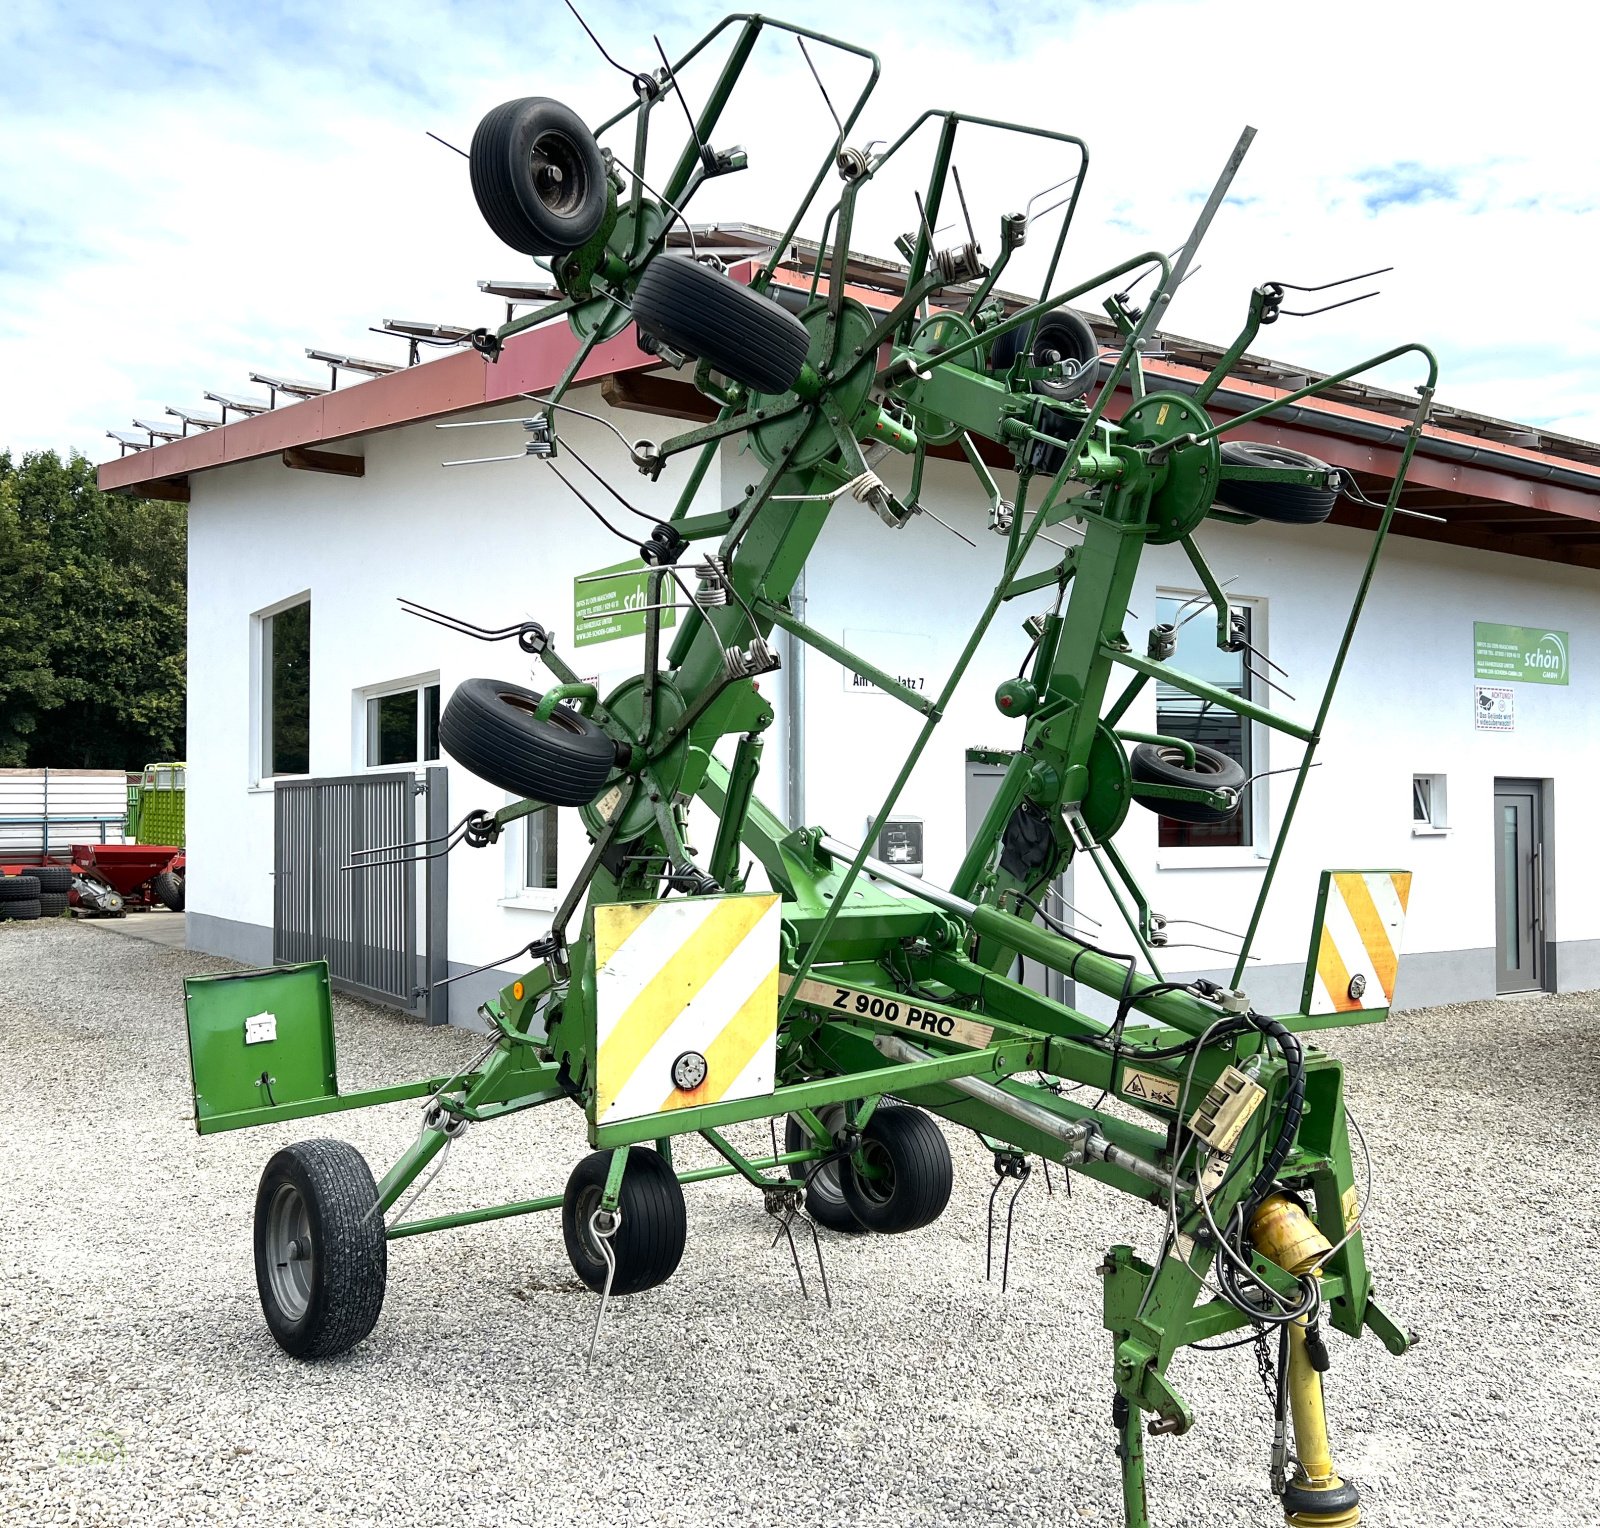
1358,953
700,975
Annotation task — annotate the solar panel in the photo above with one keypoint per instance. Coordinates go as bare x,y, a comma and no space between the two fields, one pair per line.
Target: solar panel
352,363
156,428
202,421
126,438
239,405
417,329
289,385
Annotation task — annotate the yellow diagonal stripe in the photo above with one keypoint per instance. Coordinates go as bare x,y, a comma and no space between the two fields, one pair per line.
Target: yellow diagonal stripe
730,1053
1402,888
670,991
613,923
1369,924
1331,970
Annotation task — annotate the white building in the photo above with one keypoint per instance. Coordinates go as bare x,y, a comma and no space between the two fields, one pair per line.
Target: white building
1431,762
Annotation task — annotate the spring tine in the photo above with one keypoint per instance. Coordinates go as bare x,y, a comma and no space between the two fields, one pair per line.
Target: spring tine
922,509
1022,1183
988,1257
1270,684
1049,1187
1290,286
417,843
1326,308
822,1268
455,623
604,1242
478,461
826,99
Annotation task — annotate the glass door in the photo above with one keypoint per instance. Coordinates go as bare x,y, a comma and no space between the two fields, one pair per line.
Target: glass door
1518,932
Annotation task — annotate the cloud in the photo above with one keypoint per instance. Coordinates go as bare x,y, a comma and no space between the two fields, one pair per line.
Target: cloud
1406,184
188,194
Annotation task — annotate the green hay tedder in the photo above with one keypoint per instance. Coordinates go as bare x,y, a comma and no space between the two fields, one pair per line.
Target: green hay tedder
836,994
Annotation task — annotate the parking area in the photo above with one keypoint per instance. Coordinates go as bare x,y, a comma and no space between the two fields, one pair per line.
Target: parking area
140,1384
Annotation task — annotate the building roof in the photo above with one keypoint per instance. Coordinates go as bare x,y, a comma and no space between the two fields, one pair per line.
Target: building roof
1499,485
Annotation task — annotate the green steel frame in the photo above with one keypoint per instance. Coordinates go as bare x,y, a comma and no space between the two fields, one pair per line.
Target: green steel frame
1149,478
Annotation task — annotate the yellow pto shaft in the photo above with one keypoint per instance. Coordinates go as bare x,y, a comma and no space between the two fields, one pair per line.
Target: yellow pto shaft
1317,1497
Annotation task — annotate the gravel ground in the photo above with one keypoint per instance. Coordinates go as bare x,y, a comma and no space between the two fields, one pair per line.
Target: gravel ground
140,1385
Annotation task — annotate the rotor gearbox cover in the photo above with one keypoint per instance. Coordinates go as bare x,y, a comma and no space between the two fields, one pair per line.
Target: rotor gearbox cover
1186,483
843,400
625,706
1109,793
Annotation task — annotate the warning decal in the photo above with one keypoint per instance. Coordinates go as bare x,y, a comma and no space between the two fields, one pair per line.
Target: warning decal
1356,953
696,977
1148,1088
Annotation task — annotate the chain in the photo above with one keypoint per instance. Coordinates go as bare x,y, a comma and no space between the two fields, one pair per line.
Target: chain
1264,1367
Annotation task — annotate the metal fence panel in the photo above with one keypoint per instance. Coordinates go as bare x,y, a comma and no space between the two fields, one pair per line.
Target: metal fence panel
362,921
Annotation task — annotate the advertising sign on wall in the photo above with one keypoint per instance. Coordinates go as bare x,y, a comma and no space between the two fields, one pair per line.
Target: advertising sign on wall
609,603
1524,654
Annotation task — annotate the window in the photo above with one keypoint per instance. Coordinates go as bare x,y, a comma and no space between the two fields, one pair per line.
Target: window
286,691
1429,804
1179,714
539,850
403,726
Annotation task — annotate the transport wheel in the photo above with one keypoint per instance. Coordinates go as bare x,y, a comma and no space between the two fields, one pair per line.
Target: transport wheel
322,1261
490,727
52,904
1058,336
705,314
824,1197
538,177
168,887
1283,503
910,1160
21,912
648,1242
1156,764
53,878
19,888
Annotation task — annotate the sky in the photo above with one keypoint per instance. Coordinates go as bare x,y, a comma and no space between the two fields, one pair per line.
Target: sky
189,192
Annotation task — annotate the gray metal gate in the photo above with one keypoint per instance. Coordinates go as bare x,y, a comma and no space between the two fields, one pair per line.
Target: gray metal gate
362,921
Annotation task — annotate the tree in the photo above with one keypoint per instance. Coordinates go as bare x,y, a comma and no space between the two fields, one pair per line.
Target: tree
92,618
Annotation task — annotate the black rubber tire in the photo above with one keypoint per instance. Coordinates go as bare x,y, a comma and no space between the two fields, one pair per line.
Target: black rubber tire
1061,335
825,1202
21,912
1282,503
914,1157
52,904
19,888
349,1261
168,889
1156,764
53,878
490,727
648,1244
551,211
705,314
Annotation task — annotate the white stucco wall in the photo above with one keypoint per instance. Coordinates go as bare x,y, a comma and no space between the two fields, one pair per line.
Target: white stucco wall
499,543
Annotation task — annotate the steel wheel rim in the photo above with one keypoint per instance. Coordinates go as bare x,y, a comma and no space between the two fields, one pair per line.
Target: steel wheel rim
557,174
879,1190
1202,764
289,1251
583,1210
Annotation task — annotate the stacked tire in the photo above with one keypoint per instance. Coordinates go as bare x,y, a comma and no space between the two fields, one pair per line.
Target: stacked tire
55,882
19,898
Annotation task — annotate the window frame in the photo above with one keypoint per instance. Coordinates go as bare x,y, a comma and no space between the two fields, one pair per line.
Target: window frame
518,894
260,774
1255,854
1437,821
361,740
